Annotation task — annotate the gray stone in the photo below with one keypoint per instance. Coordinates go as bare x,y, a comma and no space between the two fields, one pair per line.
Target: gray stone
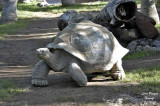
139,48
144,44
72,16
81,49
132,46
156,43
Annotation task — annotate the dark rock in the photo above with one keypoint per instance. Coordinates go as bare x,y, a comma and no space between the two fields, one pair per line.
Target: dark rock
146,28
132,23
132,46
124,35
144,44
156,43
139,14
128,35
71,16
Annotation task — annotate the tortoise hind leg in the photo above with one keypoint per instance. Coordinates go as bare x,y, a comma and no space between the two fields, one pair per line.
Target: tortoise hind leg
77,74
40,73
117,71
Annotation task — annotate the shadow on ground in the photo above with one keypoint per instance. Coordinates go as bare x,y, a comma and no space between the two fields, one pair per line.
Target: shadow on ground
63,90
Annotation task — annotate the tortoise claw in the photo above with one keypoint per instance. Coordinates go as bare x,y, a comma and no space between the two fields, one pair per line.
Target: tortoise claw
39,82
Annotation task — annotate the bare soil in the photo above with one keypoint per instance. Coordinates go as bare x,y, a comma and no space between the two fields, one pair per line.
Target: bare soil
18,58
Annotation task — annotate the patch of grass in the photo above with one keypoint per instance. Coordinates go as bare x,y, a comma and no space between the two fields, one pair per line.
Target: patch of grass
8,87
10,28
149,79
140,54
32,7
158,27
138,1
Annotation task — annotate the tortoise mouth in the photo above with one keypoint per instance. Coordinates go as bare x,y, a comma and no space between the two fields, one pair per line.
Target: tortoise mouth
126,11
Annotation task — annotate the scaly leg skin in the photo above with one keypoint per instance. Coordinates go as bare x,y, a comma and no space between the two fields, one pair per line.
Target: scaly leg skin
117,71
77,74
40,73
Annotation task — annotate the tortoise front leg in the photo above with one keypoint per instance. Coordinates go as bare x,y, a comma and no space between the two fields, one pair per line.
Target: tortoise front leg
117,71
40,73
77,74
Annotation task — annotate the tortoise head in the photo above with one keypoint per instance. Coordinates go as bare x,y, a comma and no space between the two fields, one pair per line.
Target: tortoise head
43,53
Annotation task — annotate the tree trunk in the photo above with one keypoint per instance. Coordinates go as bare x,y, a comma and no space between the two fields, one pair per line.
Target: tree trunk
24,1
148,8
1,4
9,12
68,2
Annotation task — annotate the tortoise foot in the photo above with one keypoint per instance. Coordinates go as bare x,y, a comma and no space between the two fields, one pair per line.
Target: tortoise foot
39,82
118,75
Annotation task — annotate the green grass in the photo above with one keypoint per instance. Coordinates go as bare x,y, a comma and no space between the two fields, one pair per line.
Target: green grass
158,27
148,79
138,1
10,28
8,87
138,55
96,6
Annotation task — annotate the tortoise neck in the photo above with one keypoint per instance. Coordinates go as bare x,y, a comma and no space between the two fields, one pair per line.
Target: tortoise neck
49,60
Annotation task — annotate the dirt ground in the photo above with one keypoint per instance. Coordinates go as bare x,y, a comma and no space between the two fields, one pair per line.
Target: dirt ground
18,58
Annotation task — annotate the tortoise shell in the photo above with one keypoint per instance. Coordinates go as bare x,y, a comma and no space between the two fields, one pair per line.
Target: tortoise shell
91,43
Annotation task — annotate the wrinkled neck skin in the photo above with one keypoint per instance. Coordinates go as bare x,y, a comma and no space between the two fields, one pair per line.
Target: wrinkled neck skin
49,58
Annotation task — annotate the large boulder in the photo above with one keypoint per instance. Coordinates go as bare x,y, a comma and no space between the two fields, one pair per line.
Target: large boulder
139,14
145,26
72,16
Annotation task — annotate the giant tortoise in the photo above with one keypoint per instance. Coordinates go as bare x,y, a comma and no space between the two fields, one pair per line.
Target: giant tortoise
80,49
